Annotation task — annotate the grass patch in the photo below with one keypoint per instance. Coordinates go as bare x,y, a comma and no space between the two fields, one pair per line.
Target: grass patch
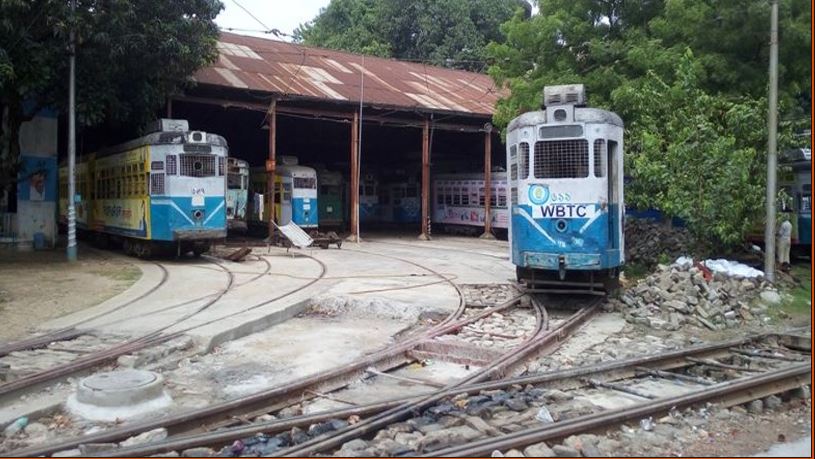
127,273
635,271
799,302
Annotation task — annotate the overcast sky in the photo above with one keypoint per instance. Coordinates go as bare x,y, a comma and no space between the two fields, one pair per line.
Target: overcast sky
284,15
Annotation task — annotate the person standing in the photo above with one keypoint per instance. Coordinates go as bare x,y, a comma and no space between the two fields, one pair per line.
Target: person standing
783,244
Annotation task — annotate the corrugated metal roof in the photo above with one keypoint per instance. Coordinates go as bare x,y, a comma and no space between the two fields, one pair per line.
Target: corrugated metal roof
292,69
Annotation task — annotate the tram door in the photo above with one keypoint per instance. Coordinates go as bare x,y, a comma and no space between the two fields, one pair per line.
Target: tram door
613,196
283,204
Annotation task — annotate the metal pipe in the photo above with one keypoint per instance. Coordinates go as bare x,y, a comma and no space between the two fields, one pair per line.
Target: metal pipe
487,183
271,164
425,180
772,147
71,251
355,177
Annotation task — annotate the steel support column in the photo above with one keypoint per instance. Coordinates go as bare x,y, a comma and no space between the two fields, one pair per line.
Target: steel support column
425,223
354,192
487,183
271,164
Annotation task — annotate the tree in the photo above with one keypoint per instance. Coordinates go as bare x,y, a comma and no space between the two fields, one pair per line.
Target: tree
452,33
694,129
608,43
130,55
350,25
694,155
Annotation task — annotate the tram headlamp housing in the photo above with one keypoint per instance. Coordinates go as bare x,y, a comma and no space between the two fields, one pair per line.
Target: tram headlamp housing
198,214
561,225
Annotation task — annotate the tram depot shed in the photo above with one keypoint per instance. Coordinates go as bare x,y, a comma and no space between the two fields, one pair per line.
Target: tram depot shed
346,111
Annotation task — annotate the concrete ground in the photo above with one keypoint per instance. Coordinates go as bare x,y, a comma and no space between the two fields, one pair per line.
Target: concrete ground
216,300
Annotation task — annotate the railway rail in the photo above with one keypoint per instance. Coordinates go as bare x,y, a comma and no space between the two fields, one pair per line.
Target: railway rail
225,414
667,365
155,337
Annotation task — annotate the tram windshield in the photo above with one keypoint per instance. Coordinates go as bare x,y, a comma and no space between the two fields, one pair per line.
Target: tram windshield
309,183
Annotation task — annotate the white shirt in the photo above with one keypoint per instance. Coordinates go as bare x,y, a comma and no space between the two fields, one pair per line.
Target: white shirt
785,231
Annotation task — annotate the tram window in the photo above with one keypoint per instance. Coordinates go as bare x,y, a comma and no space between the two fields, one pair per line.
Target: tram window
439,197
513,172
523,161
309,183
493,197
502,199
599,157
481,198
286,192
513,196
806,199
448,196
465,199
562,159
456,196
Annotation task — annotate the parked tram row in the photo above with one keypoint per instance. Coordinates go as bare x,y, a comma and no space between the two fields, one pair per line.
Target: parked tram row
315,198
177,190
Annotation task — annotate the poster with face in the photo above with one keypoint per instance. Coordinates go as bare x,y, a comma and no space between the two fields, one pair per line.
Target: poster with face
36,183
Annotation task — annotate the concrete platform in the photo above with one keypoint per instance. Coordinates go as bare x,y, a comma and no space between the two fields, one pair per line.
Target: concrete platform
380,267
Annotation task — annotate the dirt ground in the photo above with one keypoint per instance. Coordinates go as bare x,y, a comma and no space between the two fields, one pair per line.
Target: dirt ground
46,286
727,438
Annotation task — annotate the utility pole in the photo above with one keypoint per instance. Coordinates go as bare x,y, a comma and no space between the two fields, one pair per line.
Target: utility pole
71,252
772,128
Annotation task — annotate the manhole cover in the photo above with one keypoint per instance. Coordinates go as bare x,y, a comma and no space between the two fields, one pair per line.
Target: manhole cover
119,395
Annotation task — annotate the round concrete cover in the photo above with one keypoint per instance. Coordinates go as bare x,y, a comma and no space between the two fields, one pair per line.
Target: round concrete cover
120,388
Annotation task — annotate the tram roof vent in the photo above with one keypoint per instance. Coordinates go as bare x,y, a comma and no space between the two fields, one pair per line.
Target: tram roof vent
289,160
168,125
567,94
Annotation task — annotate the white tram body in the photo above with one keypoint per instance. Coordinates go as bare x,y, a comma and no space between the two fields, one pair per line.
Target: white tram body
566,189
459,199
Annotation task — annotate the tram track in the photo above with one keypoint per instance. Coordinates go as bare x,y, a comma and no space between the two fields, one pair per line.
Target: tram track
154,337
668,364
72,331
225,414
9,389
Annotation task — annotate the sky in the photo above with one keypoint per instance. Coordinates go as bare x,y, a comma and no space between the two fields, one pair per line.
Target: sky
284,15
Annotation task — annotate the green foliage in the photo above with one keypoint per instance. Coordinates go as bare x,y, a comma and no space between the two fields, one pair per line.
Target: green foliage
452,33
130,55
688,77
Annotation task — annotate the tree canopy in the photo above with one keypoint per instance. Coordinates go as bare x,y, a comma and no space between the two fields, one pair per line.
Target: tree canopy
689,78
130,55
452,33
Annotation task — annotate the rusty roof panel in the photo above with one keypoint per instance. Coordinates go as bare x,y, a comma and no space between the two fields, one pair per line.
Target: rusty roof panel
290,69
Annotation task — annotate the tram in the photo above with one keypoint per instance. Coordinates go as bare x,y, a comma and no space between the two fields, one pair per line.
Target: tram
566,195
237,193
165,190
295,194
459,199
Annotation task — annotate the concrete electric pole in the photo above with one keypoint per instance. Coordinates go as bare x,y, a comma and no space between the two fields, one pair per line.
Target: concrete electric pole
772,128
72,140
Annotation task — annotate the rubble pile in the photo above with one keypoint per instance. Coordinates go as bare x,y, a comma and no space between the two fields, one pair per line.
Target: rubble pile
647,240
682,295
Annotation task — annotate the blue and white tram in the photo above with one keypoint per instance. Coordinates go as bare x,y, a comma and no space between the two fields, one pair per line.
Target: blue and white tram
296,195
566,192
165,190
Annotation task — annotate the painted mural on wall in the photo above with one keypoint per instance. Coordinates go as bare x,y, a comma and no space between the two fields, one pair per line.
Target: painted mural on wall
37,179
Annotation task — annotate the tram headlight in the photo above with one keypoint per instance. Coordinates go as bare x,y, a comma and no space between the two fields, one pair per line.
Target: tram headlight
561,225
198,214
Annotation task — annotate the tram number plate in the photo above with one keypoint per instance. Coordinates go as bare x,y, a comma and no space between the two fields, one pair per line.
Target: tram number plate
197,197
564,211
